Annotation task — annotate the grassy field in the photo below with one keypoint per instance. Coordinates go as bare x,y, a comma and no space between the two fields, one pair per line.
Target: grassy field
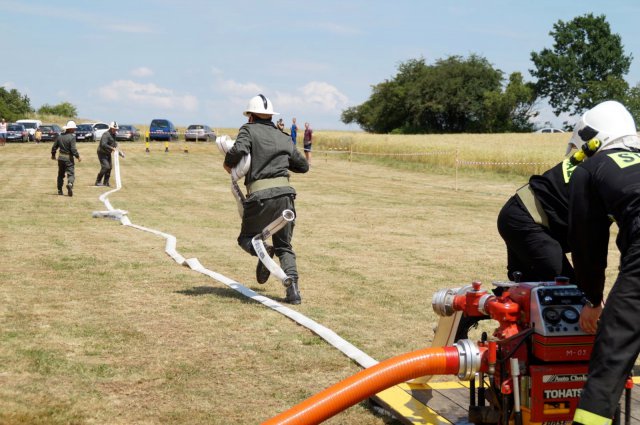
99,326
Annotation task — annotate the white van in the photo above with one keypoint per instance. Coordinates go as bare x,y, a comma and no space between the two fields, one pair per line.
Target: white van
31,126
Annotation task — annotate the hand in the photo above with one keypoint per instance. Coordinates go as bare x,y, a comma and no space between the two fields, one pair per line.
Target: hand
53,157
227,168
589,318
79,159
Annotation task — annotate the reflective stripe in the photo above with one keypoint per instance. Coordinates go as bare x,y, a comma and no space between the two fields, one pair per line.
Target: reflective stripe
533,206
267,184
588,418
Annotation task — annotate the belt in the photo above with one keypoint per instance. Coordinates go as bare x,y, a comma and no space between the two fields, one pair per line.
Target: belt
533,206
267,184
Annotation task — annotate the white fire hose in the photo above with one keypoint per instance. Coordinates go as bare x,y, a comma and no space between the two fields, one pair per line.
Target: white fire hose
335,340
258,244
225,143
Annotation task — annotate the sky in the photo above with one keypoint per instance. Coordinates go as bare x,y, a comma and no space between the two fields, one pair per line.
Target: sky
200,61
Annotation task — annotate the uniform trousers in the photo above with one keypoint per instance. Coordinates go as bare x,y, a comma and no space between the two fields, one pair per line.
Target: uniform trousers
66,166
617,342
531,248
260,213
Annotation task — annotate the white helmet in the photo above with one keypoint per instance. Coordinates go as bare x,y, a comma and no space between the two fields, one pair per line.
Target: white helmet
609,122
113,125
70,125
259,105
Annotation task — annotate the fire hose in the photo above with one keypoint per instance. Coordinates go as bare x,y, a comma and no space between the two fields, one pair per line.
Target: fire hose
462,359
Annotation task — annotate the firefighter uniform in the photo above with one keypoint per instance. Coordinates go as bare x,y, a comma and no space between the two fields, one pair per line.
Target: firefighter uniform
268,190
606,188
107,145
66,165
534,226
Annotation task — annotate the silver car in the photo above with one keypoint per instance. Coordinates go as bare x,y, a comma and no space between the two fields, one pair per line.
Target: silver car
199,133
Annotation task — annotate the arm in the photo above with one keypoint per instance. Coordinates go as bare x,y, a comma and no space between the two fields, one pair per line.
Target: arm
297,162
74,151
54,147
588,235
240,148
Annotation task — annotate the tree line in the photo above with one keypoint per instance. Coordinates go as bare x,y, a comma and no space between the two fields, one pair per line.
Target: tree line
585,66
14,106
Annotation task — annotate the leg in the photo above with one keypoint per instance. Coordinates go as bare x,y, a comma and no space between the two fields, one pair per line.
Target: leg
617,342
531,249
61,171
107,174
71,177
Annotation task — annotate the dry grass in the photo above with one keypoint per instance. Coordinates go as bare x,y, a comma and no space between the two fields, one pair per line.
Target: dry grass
99,326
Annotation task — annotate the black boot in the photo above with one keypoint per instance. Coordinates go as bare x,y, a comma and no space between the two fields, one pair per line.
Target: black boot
293,294
70,189
60,192
262,272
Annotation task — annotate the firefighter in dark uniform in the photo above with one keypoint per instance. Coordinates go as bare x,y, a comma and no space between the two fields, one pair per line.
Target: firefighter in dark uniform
106,147
534,225
603,189
268,190
67,144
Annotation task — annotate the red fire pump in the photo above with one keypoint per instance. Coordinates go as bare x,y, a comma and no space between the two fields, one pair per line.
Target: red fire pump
536,362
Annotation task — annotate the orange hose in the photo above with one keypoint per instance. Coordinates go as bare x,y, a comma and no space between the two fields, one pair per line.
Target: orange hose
344,394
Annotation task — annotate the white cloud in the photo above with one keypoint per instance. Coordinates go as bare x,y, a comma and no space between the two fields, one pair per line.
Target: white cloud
233,88
142,71
8,85
146,94
316,94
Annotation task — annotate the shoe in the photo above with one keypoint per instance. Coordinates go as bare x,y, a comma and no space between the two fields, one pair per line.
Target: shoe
107,184
262,272
99,184
70,189
60,192
293,294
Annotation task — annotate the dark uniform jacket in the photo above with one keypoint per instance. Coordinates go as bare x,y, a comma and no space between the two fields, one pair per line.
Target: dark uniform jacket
551,189
272,155
67,144
107,143
604,188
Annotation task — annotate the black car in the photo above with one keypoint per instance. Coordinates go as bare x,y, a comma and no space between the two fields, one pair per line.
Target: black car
50,132
17,133
127,132
84,133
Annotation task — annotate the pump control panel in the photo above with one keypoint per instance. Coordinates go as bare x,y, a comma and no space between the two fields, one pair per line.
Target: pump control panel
555,310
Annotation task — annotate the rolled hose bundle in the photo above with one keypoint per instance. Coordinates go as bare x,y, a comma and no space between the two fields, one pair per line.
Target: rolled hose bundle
225,143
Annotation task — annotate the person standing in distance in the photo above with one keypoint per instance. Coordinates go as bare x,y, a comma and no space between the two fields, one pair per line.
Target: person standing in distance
605,189
268,190
307,140
3,132
294,131
106,147
67,144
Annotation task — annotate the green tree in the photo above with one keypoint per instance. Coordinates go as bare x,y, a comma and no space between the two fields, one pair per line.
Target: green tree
64,109
585,66
13,105
454,95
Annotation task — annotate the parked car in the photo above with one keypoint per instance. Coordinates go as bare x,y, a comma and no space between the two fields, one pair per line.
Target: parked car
199,132
84,133
128,132
162,129
31,126
99,128
50,132
17,133
549,130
